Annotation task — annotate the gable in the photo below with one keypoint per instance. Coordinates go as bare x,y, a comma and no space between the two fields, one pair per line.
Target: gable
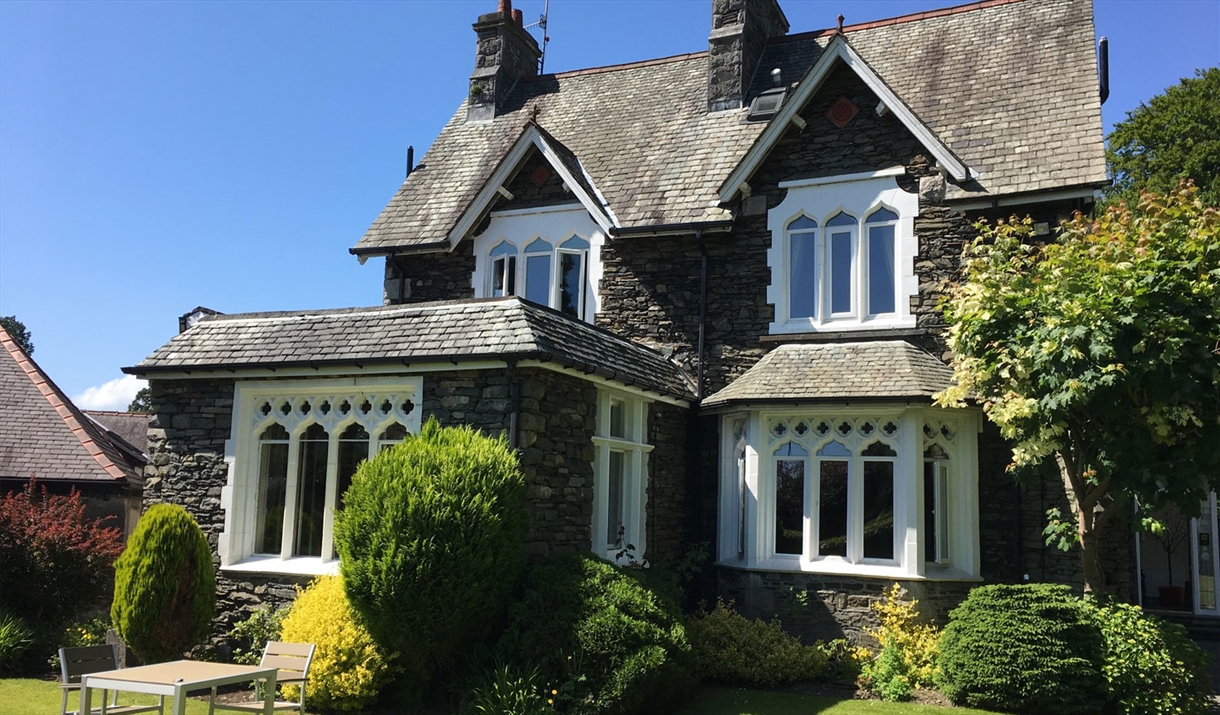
837,56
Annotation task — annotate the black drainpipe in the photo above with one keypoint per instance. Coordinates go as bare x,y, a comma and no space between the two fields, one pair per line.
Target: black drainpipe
702,307
514,403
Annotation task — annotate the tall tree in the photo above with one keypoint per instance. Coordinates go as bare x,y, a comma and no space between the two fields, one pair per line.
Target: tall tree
18,332
142,402
1175,136
1099,351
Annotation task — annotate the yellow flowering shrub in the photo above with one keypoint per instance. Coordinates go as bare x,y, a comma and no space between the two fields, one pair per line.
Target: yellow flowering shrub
908,648
348,668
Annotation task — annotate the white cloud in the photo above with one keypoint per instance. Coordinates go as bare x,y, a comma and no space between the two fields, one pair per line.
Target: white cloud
114,395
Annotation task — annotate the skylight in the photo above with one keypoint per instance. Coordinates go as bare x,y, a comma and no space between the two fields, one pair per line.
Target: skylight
766,104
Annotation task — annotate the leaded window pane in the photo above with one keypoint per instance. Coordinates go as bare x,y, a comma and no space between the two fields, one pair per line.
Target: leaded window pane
538,279
272,490
880,270
832,507
311,491
840,272
614,512
802,223
878,510
803,276
571,283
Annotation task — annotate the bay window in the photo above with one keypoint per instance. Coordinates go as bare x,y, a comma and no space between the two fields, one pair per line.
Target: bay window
850,491
296,446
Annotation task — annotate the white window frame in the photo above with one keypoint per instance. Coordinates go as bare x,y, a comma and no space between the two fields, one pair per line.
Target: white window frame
633,444
556,225
239,496
859,196
918,427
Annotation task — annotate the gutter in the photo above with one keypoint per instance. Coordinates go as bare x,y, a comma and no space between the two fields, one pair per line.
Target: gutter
671,229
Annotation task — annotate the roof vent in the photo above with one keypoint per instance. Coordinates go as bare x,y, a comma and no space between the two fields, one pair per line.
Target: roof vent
777,77
766,104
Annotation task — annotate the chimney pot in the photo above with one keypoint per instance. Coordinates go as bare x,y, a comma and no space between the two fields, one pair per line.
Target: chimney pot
505,8
519,18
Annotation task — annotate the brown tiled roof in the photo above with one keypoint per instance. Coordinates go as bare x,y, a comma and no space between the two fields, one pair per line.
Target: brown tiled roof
887,369
43,434
1010,87
499,328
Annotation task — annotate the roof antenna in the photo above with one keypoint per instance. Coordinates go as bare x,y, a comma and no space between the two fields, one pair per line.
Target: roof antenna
546,10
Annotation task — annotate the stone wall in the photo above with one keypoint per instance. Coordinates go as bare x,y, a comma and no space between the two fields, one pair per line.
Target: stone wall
818,607
444,275
740,30
556,422
529,192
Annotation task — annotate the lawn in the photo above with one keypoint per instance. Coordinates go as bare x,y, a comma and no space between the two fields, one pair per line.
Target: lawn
23,696
735,701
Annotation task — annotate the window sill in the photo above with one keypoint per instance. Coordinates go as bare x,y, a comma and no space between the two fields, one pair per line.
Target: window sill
892,573
846,325
300,566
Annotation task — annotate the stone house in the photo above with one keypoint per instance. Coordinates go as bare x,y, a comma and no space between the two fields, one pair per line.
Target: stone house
699,294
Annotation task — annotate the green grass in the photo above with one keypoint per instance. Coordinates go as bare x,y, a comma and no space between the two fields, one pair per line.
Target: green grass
25,696
735,701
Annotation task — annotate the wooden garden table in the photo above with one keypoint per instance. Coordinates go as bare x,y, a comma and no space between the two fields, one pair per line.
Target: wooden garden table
175,679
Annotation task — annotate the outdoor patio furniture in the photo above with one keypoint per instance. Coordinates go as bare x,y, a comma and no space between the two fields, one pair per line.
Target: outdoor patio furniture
292,663
75,662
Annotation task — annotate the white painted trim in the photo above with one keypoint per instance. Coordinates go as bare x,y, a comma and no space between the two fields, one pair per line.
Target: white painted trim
299,566
530,137
537,210
1022,200
844,178
838,49
635,448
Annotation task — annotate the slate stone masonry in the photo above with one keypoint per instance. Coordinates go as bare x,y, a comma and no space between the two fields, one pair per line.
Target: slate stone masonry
555,426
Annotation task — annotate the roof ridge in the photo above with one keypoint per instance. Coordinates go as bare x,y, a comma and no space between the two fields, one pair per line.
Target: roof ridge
897,20
614,68
67,411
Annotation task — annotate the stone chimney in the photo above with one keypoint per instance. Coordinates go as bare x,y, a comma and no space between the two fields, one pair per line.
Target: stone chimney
505,53
740,30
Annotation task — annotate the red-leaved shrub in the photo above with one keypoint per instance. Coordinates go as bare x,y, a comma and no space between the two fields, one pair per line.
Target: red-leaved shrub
53,559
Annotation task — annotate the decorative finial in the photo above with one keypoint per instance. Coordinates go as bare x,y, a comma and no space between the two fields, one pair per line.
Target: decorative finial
840,28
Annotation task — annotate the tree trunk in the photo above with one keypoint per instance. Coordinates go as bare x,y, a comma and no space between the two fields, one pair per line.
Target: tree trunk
1084,500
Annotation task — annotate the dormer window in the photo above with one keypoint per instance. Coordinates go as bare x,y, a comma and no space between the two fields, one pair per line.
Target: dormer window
547,256
842,255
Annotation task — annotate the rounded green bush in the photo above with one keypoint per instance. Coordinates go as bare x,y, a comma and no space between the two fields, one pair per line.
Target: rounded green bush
348,668
431,541
164,585
731,649
1031,648
613,645
1151,666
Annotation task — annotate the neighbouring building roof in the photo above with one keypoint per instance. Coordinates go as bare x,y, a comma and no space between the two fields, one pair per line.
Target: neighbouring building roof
1009,87
130,427
839,371
43,434
499,328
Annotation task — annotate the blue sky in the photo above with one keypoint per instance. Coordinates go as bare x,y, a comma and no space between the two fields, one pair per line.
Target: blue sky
159,156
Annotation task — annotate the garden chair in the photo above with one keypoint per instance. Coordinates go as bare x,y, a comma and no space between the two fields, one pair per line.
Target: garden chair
86,660
291,661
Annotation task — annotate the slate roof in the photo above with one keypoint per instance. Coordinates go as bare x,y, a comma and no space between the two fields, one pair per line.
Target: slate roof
130,427
498,328
43,434
839,371
1010,87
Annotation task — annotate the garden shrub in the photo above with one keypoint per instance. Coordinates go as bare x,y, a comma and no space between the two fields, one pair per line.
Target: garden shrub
348,668
252,634
908,648
1030,648
15,639
83,633
431,541
164,585
56,560
503,688
1151,666
732,649
844,661
611,645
